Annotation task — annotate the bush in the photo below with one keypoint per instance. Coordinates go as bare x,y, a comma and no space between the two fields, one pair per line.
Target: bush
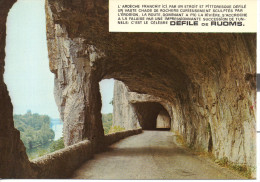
57,145
107,122
115,129
223,161
240,168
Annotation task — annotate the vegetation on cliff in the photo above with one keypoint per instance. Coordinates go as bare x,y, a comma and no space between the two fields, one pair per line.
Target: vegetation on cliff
57,145
115,129
107,120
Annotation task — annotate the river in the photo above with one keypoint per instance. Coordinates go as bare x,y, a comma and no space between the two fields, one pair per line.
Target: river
57,126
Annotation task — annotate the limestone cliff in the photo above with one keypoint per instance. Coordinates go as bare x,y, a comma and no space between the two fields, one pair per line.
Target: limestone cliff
204,79
76,87
196,134
133,110
124,114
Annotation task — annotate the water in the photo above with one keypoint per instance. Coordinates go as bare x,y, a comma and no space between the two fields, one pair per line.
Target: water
57,127
38,151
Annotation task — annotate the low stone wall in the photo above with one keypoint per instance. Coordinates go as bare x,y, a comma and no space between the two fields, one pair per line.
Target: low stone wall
62,163
114,137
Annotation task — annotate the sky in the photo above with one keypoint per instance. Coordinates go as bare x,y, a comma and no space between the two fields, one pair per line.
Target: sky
29,80
107,92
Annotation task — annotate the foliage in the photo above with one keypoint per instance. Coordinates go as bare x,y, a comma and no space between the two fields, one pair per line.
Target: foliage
38,152
57,145
107,120
179,139
240,168
223,161
112,101
37,134
34,129
115,129
45,149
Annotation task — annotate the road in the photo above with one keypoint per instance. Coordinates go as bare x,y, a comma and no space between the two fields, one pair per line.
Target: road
151,155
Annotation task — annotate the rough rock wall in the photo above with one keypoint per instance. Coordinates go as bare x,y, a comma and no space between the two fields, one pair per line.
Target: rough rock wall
76,86
205,79
195,129
14,162
226,100
147,113
133,110
124,114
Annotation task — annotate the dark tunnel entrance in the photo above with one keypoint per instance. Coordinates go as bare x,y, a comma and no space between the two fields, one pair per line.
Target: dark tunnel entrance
152,116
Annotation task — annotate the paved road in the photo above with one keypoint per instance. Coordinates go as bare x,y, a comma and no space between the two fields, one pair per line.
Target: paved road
150,155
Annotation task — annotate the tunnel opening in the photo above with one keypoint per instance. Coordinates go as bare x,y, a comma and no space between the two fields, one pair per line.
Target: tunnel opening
163,120
152,116
106,87
29,81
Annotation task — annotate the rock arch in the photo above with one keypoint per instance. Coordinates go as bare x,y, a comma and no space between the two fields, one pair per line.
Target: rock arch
200,78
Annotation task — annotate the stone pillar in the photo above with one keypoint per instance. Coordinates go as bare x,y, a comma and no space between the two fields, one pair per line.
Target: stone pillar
124,114
76,81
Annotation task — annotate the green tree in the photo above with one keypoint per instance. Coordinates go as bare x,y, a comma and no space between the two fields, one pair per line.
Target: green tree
34,129
112,101
107,120
57,145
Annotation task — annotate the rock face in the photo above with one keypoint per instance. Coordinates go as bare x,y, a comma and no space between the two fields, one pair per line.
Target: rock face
133,110
163,120
76,83
202,79
124,114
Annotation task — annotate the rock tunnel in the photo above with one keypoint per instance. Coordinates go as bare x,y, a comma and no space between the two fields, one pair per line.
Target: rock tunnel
198,79
152,116
139,110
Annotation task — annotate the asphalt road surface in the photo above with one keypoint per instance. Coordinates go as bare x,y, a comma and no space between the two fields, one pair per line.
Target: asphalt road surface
151,155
